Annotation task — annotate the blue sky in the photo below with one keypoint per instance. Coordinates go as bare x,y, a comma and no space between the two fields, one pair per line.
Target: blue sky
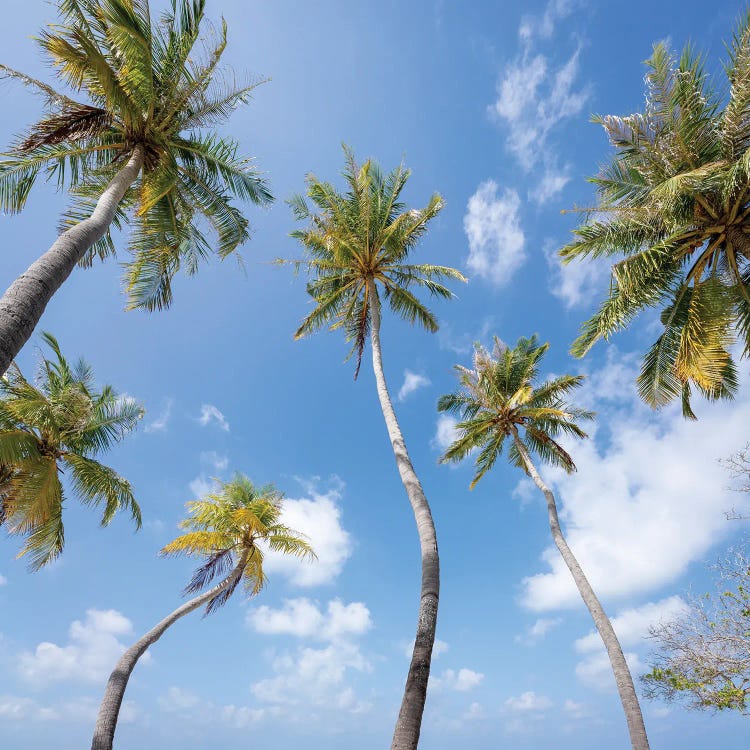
488,103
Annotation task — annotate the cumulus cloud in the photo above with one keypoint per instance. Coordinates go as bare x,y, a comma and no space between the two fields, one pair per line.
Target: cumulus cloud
493,228
319,518
438,648
413,381
194,710
625,509
92,651
445,432
160,423
306,619
210,413
462,680
528,702
576,283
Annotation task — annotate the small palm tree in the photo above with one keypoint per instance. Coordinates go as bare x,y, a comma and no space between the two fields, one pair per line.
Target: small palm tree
229,529
55,426
357,246
499,400
139,149
675,201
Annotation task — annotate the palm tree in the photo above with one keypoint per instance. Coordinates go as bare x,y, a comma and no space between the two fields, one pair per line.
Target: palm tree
674,200
498,400
55,426
139,149
230,529
357,247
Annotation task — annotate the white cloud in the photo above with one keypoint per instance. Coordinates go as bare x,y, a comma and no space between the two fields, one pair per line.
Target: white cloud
445,432
544,24
192,709
528,702
576,710
596,670
538,630
93,649
315,679
210,413
438,648
159,424
319,518
3,580
551,185
201,486
576,283
462,680
413,381
15,708
216,461
624,510
493,228
305,619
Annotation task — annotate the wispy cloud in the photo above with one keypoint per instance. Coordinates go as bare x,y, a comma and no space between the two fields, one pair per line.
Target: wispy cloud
210,413
159,424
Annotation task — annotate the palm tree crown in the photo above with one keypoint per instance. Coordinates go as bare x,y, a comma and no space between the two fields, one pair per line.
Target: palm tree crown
498,397
51,428
358,241
237,523
147,92
675,201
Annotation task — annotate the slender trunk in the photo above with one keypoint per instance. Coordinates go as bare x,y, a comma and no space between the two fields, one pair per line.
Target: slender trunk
109,710
408,725
26,298
623,678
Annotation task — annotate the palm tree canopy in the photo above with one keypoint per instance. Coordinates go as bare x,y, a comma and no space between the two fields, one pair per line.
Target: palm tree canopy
674,200
238,522
499,399
58,425
360,240
144,86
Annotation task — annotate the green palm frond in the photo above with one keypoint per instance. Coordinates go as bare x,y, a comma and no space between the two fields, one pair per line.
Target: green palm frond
141,82
674,202
53,428
356,247
501,399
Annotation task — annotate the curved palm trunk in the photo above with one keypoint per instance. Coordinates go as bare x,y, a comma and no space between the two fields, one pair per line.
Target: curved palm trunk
623,678
109,710
26,298
408,725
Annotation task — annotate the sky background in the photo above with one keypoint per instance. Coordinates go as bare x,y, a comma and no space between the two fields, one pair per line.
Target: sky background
489,104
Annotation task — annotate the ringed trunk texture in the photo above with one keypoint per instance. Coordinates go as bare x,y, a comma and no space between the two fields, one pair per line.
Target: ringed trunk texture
408,725
26,298
623,678
109,710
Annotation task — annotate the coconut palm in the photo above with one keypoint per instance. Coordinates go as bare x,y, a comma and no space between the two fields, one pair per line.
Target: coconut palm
52,427
674,201
357,246
230,529
500,399
139,148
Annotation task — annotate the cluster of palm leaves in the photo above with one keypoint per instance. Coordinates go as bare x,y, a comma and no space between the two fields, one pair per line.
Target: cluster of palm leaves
135,146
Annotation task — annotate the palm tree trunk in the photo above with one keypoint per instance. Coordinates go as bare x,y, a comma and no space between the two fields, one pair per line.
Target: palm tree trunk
408,725
109,710
26,298
623,678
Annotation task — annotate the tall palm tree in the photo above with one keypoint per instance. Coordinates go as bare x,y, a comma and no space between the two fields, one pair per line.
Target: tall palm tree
230,529
58,425
139,149
674,200
357,246
500,399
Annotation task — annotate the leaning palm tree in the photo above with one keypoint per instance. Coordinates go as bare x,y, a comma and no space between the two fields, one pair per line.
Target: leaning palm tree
674,200
230,529
357,246
139,148
56,427
500,400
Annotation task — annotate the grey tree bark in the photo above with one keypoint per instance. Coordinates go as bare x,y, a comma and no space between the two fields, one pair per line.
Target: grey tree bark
26,298
109,710
623,678
409,722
